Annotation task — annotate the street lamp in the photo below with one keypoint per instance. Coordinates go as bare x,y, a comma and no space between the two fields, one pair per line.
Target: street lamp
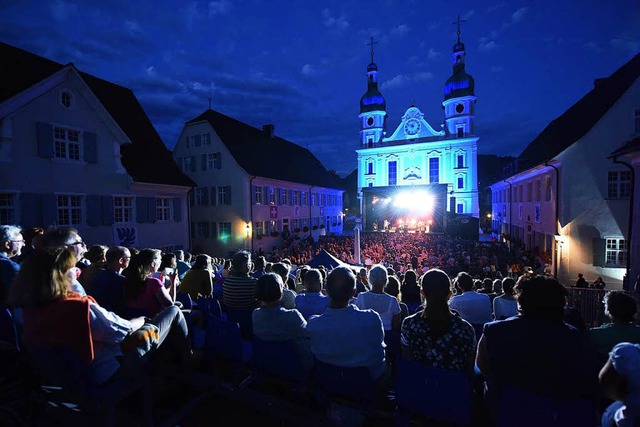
248,230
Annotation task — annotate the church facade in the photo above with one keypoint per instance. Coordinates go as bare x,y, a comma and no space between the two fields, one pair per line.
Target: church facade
417,155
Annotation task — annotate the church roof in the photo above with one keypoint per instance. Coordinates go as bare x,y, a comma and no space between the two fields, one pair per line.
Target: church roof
459,84
267,156
574,123
146,159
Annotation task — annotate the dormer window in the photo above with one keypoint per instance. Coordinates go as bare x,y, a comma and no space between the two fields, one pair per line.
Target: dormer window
66,99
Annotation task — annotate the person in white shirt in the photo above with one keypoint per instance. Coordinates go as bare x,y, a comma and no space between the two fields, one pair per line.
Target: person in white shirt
505,305
377,300
473,307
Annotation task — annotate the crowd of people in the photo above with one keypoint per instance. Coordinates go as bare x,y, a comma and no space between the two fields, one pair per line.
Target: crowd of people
444,301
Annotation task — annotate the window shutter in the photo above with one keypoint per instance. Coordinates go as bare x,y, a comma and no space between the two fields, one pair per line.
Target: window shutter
152,209
90,147
290,197
45,140
49,209
599,252
214,196
214,230
218,161
30,210
204,162
205,196
193,163
142,214
107,210
206,230
94,210
177,209
227,195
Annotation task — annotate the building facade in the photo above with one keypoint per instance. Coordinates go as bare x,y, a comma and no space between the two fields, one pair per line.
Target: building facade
565,197
417,154
254,188
70,145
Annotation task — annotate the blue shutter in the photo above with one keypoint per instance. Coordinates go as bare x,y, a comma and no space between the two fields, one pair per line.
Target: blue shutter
599,252
218,161
90,147
107,210
290,197
214,230
206,230
205,196
45,140
214,196
227,195
30,210
193,163
204,162
94,210
49,209
152,209
253,194
177,209
142,214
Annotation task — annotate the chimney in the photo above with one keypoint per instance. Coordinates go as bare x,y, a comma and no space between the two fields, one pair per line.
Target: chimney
268,130
599,82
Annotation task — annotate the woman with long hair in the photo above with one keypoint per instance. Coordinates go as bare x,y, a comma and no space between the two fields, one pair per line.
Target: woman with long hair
199,279
410,291
144,294
437,336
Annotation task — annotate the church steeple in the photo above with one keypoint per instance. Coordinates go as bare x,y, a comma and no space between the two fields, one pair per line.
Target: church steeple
372,106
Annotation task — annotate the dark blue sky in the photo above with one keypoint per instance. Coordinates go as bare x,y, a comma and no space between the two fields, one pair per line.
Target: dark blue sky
301,64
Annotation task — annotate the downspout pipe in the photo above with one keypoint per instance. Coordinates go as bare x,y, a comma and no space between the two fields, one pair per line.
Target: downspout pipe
510,216
557,226
251,196
630,221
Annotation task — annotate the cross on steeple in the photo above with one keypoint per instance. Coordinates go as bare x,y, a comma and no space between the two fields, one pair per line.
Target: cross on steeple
458,21
371,43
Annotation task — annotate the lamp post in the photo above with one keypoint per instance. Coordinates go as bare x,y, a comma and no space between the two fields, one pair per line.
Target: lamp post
247,229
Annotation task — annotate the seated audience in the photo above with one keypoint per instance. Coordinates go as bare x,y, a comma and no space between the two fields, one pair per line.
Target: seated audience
67,237
312,301
410,291
288,296
620,379
344,335
96,255
377,300
11,244
145,294
168,271
475,308
239,287
393,289
438,336
183,266
108,284
505,305
198,282
259,267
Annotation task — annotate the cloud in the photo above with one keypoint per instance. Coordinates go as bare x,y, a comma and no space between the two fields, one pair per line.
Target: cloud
219,7
468,15
432,26
400,31
496,6
625,44
402,80
425,75
308,70
592,46
518,15
335,24
486,45
432,54
62,10
495,68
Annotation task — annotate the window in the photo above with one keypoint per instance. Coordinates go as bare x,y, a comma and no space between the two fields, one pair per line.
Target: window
536,192
547,189
196,140
304,222
206,139
616,252
224,230
393,173
258,228
303,198
295,197
460,161
461,185
323,199
271,195
370,184
284,197
257,194
202,230
273,226
67,143
201,196
529,191
224,195
123,209
370,168
619,184
313,200
434,170
186,164
7,209
460,131
69,209
163,208
637,121
66,99
295,224
460,208
213,161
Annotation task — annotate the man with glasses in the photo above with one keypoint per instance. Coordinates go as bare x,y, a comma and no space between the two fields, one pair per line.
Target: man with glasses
67,237
11,244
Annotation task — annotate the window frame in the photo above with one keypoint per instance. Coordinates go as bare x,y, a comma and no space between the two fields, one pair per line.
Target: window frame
66,144
619,248
9,209
162,209
70,209
123,209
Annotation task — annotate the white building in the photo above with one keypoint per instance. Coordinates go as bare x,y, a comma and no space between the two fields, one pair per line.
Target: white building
565,195
79,151
253,187
417,154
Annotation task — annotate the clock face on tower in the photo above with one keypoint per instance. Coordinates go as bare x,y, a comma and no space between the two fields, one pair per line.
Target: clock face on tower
412,127
459,108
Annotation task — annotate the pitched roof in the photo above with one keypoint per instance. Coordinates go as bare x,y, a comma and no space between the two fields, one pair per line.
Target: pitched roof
574,123
631,146
264,156
146,159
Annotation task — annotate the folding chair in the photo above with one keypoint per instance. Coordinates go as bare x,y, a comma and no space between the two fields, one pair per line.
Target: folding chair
279,359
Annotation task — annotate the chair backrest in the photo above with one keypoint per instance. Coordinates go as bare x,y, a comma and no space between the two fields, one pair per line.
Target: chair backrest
185,299
224,340
522,408
394,345
210,306
433,392
8,332
279,358
350,382
244,319
59,366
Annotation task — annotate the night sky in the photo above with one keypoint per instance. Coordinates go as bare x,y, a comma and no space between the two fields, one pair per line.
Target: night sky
301,65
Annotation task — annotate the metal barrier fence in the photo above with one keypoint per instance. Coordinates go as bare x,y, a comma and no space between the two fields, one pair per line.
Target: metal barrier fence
590,304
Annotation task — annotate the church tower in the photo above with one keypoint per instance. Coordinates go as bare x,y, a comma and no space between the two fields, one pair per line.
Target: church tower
372,108
459,97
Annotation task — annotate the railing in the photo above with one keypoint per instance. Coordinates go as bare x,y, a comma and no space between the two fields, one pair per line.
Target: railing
590,304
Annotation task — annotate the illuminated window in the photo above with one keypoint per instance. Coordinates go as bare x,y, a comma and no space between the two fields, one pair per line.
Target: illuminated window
460,208
258,228
616,252
66,143
123,209
460,161
271,195
434,170
303,198
461,185
258,194
69,209
7,209
393,173
369,168
295,198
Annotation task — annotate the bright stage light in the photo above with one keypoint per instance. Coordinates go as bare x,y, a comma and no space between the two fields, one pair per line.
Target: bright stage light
418,200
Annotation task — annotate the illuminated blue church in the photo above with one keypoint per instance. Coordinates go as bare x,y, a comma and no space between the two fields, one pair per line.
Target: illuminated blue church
417,154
